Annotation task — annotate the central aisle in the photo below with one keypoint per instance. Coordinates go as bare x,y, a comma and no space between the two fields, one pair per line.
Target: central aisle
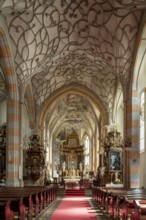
74,205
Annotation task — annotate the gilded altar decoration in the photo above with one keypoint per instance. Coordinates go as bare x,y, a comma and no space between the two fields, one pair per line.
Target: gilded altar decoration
72,157
111,156
113,139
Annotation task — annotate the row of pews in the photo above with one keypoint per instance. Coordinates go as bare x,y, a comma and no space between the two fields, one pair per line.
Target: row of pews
25,202
121,203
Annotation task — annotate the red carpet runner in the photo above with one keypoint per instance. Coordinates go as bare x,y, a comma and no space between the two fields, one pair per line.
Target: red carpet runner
74,206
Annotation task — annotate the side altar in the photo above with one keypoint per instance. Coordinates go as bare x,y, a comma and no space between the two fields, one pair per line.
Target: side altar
110,170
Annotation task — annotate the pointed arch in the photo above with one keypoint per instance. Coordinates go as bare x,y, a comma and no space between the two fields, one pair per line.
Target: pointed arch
13,116
78,89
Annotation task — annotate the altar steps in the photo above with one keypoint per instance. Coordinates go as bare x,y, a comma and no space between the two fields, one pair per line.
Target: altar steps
75,192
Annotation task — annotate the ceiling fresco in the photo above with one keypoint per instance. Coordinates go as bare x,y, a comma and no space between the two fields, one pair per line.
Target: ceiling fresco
72,111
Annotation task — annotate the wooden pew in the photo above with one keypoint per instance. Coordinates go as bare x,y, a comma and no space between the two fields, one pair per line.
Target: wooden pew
122,200
12,207
30,200
139,212
18,208
16,203
117,200
129,204
5,210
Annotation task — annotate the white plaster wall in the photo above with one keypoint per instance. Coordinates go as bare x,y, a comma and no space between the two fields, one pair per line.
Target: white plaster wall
142,177
118,111
3,112
141,83
120,119
142,168
140,86
26,131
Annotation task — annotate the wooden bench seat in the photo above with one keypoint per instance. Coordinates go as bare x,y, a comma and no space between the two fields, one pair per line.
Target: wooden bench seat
25,202
118,201
123,201
139,212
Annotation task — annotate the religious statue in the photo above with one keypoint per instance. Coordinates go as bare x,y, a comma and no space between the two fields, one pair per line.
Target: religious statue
63,166
87,168
66,172
81,166
77,173
102,171
117,177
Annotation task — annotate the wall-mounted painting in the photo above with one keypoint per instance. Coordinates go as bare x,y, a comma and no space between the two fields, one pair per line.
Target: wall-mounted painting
72,142
115,160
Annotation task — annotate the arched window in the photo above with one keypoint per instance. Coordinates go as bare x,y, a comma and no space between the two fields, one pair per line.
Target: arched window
142,119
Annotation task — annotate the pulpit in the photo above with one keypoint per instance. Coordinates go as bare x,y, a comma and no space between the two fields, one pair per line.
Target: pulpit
35,158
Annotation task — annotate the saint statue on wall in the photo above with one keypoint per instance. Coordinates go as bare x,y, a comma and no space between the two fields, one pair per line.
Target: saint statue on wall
64,166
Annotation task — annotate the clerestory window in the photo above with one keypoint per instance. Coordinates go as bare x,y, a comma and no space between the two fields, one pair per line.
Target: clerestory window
142,119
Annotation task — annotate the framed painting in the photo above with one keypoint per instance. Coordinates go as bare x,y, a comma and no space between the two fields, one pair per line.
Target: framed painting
115,160
72,142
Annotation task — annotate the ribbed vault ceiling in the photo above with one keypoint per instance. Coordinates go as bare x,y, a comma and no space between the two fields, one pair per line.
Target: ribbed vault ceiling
57,43
72,110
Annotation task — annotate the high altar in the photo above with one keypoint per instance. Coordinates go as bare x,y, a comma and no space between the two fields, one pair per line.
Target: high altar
72,157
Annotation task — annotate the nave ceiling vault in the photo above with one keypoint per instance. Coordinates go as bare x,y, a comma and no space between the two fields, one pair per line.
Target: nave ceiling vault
60,43
73,110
